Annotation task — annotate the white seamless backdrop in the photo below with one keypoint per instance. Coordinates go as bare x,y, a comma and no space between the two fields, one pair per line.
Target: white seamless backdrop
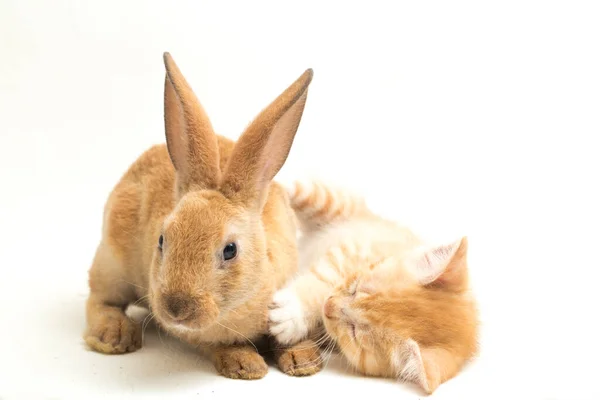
464,117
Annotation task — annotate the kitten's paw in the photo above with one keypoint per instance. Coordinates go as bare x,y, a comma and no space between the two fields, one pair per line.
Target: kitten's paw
286,317
301,359
114,334
240,363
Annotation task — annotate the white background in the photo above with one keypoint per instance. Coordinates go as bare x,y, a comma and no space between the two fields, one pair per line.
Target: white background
476,118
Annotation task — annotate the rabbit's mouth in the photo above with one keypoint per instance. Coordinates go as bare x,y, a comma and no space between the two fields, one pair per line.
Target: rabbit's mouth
188,324
196,323
185,313
183,327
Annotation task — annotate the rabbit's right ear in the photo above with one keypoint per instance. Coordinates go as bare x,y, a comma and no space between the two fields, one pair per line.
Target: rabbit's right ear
262,149
191,141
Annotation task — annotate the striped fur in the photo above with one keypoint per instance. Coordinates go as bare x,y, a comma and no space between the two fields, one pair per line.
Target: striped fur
317,204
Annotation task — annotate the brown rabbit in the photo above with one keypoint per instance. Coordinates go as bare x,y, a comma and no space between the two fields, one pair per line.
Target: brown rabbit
198,232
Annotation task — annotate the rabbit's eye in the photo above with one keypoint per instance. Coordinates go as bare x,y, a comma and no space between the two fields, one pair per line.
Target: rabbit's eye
230,251
160,242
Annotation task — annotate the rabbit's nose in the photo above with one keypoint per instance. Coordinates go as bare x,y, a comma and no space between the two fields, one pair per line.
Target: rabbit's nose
179,306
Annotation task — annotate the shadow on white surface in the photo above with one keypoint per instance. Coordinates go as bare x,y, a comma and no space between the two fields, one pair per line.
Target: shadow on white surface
164,366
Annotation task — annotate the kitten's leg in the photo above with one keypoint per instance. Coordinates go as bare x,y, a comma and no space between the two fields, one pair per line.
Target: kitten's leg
296,309
240,361
317,204
109,329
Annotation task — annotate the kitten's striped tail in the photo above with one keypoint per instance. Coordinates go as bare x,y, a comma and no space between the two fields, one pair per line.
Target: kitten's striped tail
317,204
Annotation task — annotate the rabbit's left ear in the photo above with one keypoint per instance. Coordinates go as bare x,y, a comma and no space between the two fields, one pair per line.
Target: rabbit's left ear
262,149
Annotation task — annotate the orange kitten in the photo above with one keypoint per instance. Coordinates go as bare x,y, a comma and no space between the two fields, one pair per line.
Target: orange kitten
395,306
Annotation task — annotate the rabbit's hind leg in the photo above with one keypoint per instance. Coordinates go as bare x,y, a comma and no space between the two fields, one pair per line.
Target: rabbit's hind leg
109,329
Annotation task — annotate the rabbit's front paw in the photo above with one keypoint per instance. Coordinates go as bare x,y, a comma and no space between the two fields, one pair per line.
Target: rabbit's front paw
286,317
240,362
114,334
301,359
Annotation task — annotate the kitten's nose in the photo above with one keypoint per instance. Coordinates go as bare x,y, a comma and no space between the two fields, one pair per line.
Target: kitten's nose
328,308
179,306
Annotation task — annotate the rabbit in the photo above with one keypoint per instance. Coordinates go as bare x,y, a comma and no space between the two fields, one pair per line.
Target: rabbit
197,231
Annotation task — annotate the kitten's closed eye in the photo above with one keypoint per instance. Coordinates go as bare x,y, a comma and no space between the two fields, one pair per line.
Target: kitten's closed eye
366,288
360,287
352,289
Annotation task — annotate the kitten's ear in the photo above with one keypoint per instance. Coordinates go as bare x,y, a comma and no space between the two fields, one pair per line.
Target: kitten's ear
443,266
422,366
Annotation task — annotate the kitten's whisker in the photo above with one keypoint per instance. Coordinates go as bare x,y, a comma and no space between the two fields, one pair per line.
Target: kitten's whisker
328,357
145,324
323,339
329,352
159,336
140,299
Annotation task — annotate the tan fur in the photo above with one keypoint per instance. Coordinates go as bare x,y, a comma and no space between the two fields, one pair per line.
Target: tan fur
200,192
395,306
